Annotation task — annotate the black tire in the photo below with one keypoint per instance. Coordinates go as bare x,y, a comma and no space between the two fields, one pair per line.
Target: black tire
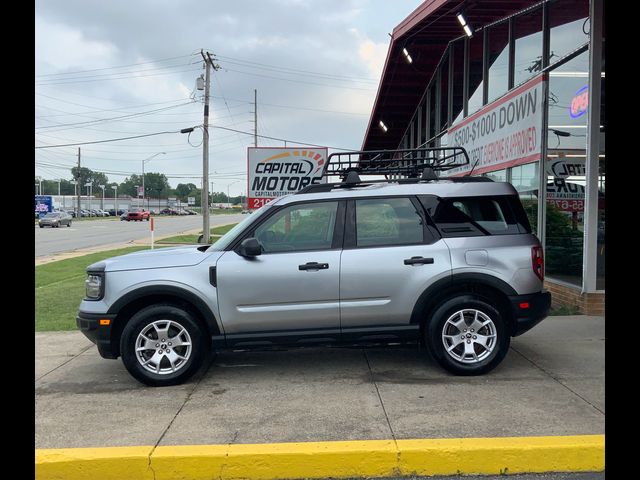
41,226
465,364
180,318
69,224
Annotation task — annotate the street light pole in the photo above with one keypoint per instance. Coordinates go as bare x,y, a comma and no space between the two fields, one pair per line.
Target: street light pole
75,194
102,203
143,162
115,197
89,188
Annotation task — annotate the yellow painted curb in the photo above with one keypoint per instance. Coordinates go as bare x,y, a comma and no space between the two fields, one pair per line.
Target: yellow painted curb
113,463
493,456
366,458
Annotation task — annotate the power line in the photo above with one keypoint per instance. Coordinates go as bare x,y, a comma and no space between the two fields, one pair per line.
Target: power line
83,77
120,66
280,68
131,115
109,140
297,81
93,107
281,139
116,78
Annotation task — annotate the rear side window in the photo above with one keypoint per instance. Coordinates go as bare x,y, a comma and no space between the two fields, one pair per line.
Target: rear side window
477,216
387,221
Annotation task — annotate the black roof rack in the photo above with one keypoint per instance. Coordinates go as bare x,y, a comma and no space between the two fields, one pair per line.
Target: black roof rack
409,162
415,165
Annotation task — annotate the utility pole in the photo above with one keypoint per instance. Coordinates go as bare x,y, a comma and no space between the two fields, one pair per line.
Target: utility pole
255,117
79,191
205,148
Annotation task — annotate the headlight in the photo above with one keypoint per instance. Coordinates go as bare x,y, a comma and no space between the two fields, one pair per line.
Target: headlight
94,286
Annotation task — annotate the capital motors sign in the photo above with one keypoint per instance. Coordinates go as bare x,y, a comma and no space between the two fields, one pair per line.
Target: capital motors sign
276,172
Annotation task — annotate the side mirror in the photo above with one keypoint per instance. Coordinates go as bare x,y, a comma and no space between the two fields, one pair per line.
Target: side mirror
250,247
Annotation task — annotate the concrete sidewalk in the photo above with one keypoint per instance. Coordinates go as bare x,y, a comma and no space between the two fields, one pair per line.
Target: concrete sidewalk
550,383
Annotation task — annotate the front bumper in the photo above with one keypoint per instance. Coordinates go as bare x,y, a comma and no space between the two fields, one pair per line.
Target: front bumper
529,310
89,324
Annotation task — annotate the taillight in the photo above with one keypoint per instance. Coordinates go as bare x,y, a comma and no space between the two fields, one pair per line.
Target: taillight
537,261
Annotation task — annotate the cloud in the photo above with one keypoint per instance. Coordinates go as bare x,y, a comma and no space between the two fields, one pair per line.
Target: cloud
303,55
373,54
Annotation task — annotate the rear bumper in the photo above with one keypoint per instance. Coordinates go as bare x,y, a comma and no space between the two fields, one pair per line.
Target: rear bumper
89,325
529,310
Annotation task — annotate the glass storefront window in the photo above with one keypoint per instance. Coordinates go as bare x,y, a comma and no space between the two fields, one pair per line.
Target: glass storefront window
569,23
432,114
498,175
528,45
458,79
524,178
475,72
498,60
565,170
444,93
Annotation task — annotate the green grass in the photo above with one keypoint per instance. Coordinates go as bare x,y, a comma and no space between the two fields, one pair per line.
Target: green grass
565,310
216,233
224,211
60,288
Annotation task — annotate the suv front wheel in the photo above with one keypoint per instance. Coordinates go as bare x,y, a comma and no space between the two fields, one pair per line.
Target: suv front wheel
162,345
467,336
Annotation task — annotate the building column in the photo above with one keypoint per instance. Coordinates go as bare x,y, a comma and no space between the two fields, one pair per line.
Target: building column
592,164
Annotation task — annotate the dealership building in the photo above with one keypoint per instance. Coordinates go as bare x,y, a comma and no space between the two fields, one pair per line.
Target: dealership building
520,85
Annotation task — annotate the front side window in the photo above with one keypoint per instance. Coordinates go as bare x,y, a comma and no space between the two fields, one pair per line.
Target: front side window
307,226
387,221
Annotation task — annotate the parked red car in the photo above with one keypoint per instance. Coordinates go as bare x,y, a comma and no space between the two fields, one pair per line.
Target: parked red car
138,214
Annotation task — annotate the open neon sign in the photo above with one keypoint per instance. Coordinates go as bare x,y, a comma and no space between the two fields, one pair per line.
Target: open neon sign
579,103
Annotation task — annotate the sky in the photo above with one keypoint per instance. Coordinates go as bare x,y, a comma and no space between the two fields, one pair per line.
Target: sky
107,70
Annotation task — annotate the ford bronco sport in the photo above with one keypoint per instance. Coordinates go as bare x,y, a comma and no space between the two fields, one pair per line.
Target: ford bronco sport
448,262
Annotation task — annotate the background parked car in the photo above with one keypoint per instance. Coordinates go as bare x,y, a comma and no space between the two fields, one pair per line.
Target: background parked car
138,214
55,219
123,214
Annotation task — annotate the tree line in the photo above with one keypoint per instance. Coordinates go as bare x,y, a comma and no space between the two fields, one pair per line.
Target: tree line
156,186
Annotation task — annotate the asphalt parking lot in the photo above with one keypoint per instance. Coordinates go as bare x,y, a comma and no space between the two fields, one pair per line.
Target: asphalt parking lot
550,383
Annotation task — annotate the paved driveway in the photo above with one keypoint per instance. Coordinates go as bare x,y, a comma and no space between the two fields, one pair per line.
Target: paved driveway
550,383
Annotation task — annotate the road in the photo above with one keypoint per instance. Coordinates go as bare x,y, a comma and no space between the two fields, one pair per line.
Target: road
94,233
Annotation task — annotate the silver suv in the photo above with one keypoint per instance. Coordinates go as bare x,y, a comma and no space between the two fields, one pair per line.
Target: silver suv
450,263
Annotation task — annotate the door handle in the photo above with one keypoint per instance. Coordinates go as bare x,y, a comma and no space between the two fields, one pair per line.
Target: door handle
417,261
313,266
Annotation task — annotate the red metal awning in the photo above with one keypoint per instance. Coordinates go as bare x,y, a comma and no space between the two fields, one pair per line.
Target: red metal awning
426,33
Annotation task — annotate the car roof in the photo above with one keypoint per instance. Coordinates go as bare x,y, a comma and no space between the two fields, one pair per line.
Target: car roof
440,188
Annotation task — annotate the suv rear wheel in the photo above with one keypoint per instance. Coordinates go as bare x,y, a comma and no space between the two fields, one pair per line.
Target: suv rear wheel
162,345
467,336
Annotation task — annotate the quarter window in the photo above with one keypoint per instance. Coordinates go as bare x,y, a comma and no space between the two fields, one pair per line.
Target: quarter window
387,221
307,226
477,216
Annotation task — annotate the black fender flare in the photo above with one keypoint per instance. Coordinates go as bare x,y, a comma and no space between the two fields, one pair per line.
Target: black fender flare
172,291
434,290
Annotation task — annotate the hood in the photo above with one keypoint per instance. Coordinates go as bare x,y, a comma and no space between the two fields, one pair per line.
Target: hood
159,258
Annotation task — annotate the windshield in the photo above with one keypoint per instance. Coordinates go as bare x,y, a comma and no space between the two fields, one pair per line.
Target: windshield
52,215
231,235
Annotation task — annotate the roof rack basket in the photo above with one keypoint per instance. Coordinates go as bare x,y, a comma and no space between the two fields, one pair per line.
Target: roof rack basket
408,163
